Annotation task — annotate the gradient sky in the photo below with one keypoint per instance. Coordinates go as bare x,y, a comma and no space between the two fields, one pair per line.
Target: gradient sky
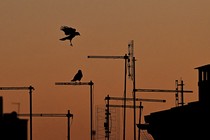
171,38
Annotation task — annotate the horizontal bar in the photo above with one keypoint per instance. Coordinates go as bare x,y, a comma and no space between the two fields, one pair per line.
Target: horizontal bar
47,115
161,90
16,88
137,99
127,106
74,83
109,57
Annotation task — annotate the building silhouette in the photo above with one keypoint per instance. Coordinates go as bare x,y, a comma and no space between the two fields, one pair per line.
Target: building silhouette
11,127
190,121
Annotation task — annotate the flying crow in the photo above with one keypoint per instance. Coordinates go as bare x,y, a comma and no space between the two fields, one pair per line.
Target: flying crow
78,76
70,33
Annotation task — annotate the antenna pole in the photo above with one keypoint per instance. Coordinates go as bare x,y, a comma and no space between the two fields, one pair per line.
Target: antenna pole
91,109
182,95
30,88
68,127
124,119
106,124
91,100
140,114
30,96
134,99
125,57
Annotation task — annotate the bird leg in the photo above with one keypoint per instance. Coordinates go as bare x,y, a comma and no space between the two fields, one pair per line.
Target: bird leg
71,43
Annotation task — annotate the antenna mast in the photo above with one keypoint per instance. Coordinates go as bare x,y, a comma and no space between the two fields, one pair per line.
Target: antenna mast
130,59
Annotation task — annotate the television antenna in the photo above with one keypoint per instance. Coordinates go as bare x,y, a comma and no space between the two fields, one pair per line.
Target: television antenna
91,99
68,115
30,88
125,58
130,60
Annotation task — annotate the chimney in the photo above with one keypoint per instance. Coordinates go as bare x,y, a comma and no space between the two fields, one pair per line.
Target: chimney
1,106
204,83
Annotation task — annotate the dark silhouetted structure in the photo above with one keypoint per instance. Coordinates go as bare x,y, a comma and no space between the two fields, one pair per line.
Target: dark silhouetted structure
78,76
187,122
70,32
11,127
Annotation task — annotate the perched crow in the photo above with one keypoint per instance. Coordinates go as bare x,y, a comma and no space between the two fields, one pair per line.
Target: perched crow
78,76
70,32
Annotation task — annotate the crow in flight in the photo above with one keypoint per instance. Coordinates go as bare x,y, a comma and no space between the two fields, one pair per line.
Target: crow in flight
70,32
78,76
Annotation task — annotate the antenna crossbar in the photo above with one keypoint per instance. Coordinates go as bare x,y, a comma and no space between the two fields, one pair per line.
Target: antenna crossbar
16,88
161,90
122,106
131,99
74,83
109,57
48,115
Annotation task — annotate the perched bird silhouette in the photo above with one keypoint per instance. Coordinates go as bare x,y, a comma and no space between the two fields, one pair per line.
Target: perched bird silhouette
78,76
70,32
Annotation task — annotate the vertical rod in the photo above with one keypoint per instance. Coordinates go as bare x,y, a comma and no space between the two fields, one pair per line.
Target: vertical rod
68,123
182,94
176,94
91,111
108,121
108,113
140,114
124,121
30,96
134,99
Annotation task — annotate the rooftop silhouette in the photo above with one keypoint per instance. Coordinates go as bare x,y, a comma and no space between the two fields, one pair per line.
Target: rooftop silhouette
185,122
11,127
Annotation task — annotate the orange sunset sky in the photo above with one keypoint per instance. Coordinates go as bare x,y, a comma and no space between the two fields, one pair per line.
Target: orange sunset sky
171,38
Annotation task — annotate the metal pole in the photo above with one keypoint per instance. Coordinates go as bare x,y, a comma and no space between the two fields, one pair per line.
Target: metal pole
176,94
134,99
30,94
182,95
91,111
140,113
108,111
124,119
68,127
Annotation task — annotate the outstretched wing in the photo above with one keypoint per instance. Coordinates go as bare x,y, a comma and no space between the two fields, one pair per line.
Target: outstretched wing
68,30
